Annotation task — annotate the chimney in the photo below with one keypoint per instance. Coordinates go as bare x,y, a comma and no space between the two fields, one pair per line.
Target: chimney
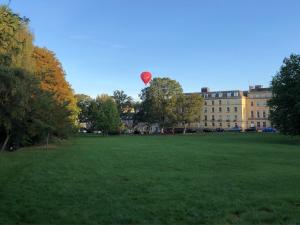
205,90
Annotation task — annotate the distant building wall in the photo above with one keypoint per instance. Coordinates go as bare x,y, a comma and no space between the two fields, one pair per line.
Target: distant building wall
228,109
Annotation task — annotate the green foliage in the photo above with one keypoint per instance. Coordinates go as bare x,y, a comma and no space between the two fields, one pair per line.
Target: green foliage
285,103
189,108
15,98
36,100
52,76
123,101
193,179
159,101
16,40
84,103
28,113
104,115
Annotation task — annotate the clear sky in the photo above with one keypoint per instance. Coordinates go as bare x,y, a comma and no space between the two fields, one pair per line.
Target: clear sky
223,44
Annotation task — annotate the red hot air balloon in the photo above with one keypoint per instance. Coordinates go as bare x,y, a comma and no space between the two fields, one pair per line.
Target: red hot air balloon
146,77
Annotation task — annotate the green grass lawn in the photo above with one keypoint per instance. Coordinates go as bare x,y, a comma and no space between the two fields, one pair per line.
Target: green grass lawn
192,179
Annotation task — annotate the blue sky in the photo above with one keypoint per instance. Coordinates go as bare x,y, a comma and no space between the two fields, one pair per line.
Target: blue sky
223,44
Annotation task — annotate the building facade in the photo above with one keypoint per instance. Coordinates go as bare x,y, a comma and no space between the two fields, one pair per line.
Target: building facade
257,108
235,109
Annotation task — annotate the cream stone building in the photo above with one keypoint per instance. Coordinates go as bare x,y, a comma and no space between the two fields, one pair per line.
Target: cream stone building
235,108
257,109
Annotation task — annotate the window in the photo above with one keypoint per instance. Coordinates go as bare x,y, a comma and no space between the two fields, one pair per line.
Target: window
227,102
228,125
205,110
212,109
205,117
235,109
213,124
264,124
236,94
235,117
220,125
228,109
236,125
220,94
258,103
220,109
228,94
205,124
252,114
258,114
213,117
213,102
264,114
252,103
213,95
220,102
205,103
258,124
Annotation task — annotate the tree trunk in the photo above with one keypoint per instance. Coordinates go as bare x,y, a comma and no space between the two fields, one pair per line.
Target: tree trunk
184,130
5,143
47,142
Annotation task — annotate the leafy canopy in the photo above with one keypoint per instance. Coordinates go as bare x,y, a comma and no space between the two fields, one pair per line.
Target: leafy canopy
285,103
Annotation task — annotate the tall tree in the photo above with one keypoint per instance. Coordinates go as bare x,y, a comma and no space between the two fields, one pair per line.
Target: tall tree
35,99
104,114
285,103
50,71
159,102
189,109
84,102
16,40
16,87
123,101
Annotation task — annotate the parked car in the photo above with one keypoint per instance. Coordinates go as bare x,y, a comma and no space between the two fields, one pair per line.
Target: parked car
220,130
178,130
207,130
251,129
235,129
169,131
269,130
190,130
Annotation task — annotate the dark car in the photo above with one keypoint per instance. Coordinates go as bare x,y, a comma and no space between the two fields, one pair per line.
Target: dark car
251,129
191,131
220,130
235,129
178,130
207,130
269,130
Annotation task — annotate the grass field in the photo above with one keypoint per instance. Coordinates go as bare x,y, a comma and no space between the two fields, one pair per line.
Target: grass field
193,179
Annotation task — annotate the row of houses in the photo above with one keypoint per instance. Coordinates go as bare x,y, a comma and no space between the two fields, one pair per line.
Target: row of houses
225,110
229,109
235,108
